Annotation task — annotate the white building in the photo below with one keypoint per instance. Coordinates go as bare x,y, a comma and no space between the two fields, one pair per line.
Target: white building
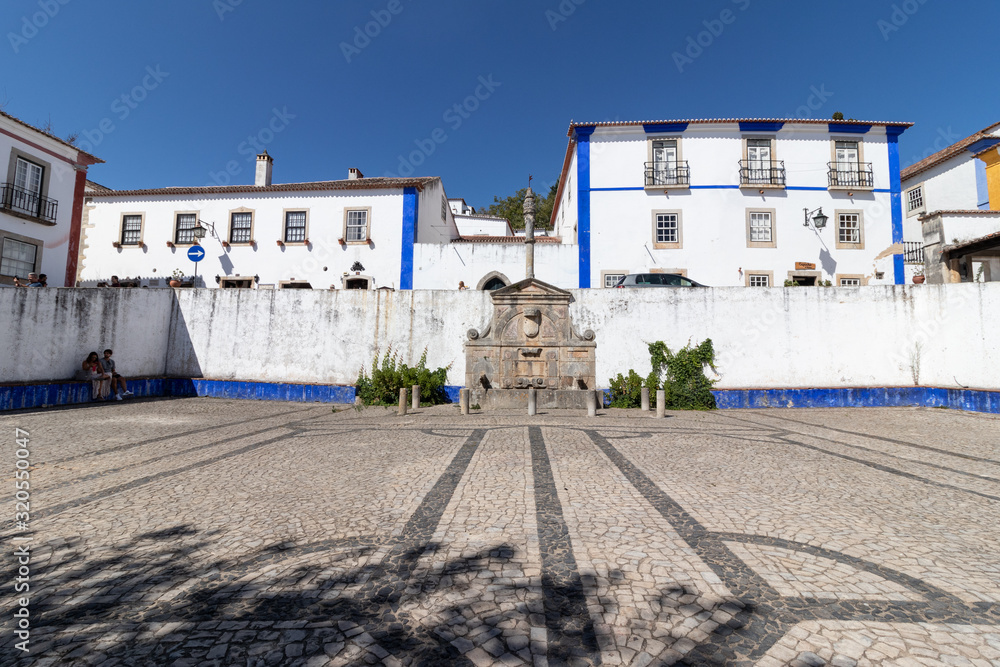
291,235
725,201
41,202
952,204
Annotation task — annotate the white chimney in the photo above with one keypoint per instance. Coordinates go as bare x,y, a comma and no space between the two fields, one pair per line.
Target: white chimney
265,163
354,174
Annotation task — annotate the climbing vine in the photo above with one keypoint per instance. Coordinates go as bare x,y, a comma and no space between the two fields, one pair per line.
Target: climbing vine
390,375
680,374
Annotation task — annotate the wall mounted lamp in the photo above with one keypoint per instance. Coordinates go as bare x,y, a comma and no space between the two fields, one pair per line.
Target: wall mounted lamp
819,220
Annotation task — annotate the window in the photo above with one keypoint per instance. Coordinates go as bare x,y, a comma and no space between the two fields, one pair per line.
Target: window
847,169
236,283
760,227
760,167
667,230
761,232
915,200
665,167
27,195
184,231
758,280
18,258
850,232
356,226
611,278
240,227
131,230
849,282
295,227
444,208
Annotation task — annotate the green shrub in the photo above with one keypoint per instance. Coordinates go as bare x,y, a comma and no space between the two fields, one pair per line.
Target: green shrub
681,375
626,392
391,374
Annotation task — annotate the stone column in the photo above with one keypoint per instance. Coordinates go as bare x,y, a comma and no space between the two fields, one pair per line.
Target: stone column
532,402
402,401
463,401
591,403
416,397
661,404
529,234
645,399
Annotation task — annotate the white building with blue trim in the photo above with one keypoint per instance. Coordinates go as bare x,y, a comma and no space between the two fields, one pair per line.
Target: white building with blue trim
734,201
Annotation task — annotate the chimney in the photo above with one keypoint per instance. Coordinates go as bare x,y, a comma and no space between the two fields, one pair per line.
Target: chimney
262,178
354,174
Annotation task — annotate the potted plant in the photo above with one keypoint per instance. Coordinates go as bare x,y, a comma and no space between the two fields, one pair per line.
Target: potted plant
116,244
225,244
341,241
170,244
280,242
178,276
918,277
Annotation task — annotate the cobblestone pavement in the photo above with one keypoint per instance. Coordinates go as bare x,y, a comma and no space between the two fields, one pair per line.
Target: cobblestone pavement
215,532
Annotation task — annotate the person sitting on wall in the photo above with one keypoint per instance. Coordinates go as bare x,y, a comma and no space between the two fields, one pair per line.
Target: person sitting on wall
461,285
118,386
43,279
100,382
114,282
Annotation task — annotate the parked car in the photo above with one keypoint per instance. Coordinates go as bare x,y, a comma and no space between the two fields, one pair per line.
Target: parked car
657,280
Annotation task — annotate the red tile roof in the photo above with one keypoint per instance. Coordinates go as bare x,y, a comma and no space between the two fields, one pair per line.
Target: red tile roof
927,216
806,121
95,160
946,153
505,239
346,184
950,249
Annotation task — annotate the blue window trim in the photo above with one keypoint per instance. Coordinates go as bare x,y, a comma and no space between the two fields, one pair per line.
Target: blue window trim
410,209
982,144
583,202
982,187
760,127
663,128
846,128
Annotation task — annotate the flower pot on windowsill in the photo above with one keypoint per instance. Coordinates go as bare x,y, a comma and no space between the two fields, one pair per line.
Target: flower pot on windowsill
225,244
116,244
280,242
918,279
341,241
305,241
175,283
170,244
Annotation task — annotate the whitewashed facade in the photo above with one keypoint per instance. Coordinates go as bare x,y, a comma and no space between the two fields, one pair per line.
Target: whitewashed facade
291,235
41,197
724,201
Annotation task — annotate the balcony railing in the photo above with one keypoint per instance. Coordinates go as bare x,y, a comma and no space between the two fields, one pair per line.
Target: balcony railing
25,202
913,252
762,172
667,173
851,175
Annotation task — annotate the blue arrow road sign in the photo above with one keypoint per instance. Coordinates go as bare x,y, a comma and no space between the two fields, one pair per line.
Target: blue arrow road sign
196,253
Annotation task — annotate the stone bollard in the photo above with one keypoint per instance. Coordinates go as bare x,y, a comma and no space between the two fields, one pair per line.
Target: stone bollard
645,399
591,403
463,401
402,401
661,404
415,393
532,402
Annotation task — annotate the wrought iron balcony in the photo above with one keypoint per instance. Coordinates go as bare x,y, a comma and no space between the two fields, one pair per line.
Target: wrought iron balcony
667,173
913,252
762,172
851,175
25,202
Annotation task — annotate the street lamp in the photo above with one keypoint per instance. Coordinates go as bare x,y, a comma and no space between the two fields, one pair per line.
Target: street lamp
819,220
201,229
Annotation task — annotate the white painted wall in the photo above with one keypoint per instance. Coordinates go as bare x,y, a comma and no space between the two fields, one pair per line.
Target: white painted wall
949,186
442,266
713,221
476,225
435,221
49,332
60,176
785,337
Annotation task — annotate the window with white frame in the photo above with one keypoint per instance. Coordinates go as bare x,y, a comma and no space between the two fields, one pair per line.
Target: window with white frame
26,197
357,225
667,228
295,226
915,199
611,279
759,280
240,225
131,230
184,230
18,258
760,227
849,228
850,282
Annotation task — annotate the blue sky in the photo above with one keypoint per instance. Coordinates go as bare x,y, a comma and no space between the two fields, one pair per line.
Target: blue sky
171,93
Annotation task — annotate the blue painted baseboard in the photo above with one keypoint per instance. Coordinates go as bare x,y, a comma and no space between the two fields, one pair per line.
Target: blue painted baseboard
27,396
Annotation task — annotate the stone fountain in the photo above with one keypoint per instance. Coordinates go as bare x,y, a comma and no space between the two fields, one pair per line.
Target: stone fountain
530,342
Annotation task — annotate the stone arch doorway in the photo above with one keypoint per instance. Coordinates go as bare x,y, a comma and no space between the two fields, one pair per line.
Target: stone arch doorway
493,280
